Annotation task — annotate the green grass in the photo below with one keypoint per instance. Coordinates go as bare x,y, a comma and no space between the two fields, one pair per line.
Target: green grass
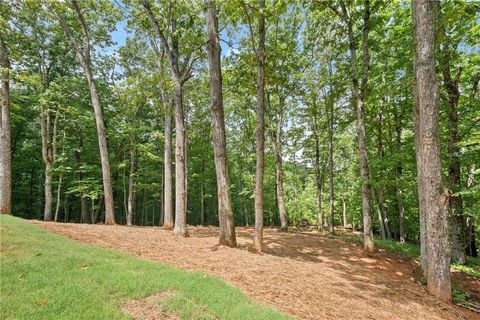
46,276
471,267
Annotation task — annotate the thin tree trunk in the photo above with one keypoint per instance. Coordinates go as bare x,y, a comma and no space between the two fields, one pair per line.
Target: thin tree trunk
66,208
344,211
47,209
162,202
330,165
457,219
379,215
227,223
202,192
428,146
380,189
282,210
132,181
398,173
318,176
49,153
59,189
381,202
260,131
83,198
471,243
359,93
5,134
144,207
168,178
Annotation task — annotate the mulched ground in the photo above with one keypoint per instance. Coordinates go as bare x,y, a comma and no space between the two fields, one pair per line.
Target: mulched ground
309,276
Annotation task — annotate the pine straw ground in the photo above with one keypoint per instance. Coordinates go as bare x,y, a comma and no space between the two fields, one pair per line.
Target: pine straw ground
309,276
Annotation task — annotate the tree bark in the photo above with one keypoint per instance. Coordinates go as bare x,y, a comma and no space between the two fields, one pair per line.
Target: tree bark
457,220
277,151
260,131
359,88
83,57
202,192
180,165
59,190
226,221
379,215
330,164
178,78
380,190
398,173
344,212
471,243
276,137
5,134
318,176
132,181
83,198
168,188
49,153
428,146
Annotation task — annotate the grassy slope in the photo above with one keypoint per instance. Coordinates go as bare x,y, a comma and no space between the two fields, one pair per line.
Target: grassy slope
45,276
472,267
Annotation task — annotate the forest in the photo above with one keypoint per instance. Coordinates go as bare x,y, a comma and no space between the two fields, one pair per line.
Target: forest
265,125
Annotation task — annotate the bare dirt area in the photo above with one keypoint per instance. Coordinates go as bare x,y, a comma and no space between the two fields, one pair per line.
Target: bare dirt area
309,276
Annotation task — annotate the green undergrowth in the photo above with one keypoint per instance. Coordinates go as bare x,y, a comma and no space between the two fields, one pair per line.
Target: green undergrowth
46,276
471,267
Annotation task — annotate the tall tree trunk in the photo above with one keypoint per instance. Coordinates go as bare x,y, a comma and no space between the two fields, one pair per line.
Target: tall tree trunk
398,173
344,212
59,190
276,138
132,181
457,220
260,131
227,223
102,144
330,164
168,188
282,209
379,214
380,189
5,134
318,176
83,57
202,193
470,233
180,164
49,153
83,198
381,204
359,93
178,77
428,146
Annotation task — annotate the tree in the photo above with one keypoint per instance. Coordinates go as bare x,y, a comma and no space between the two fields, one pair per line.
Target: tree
83,56
5,133
260,126
433,200
179,77
227,224
49,153
359,88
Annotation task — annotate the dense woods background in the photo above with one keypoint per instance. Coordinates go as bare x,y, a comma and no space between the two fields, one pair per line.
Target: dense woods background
328,67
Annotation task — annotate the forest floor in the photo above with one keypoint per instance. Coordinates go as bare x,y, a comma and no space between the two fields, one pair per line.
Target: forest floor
310,276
